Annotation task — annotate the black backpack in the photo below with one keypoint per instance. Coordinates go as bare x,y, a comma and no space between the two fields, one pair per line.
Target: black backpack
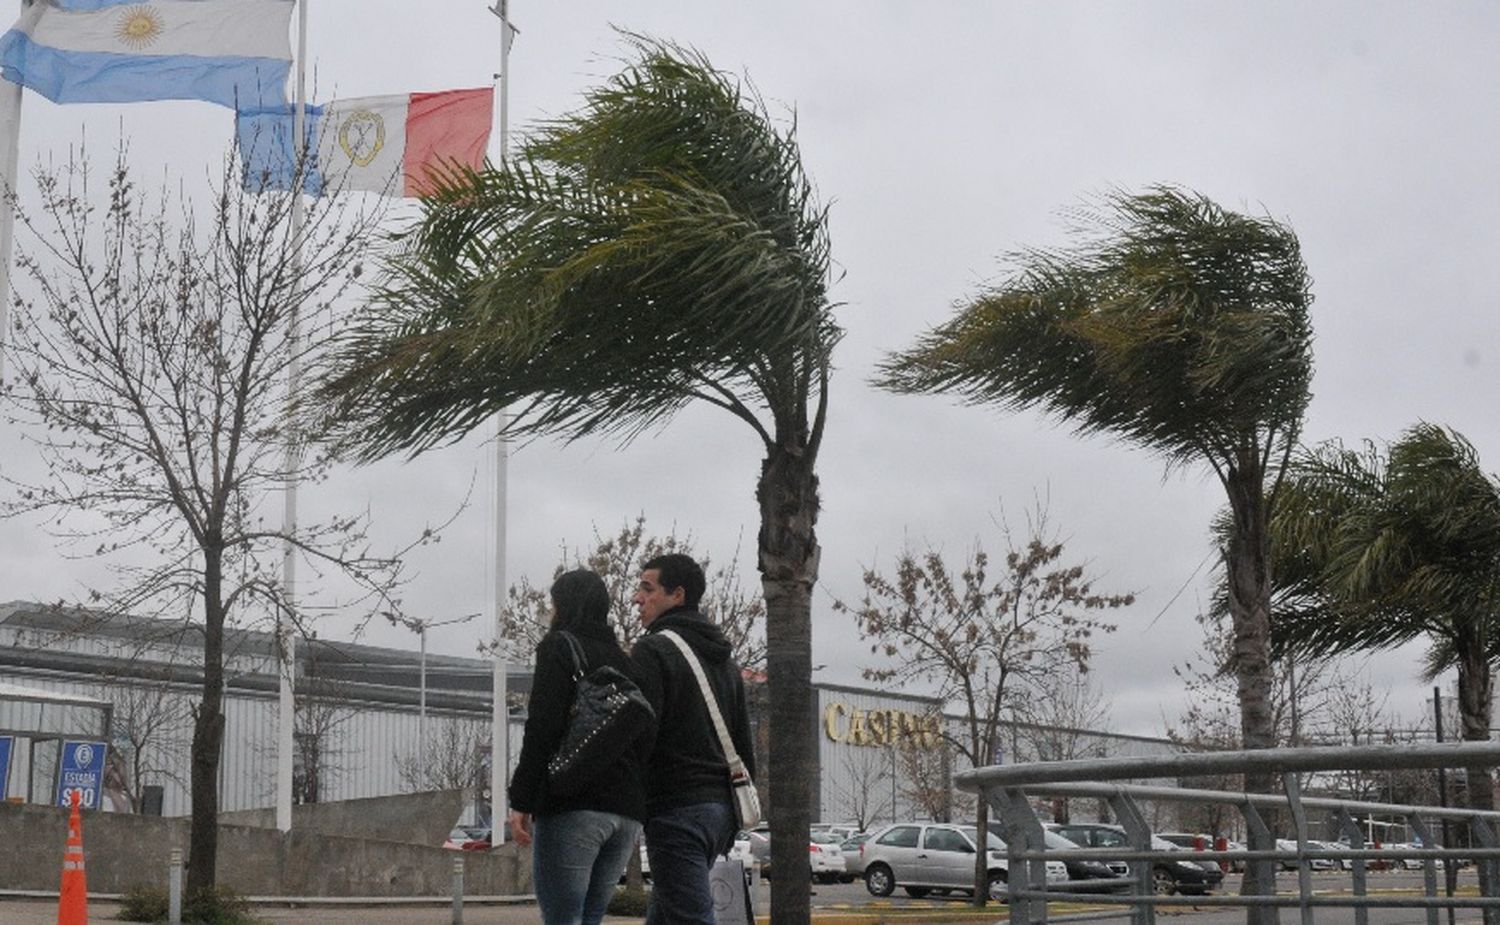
608,714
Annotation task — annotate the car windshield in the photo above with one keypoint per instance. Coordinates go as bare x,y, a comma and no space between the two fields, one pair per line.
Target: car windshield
824,838
1054,840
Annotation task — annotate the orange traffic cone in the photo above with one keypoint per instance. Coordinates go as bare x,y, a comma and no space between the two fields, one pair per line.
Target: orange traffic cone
73,902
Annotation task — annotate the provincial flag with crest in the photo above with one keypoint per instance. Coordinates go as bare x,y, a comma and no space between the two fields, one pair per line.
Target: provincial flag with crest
381,144
236,53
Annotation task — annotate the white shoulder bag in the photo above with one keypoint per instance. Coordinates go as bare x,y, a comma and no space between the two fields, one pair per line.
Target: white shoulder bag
746,800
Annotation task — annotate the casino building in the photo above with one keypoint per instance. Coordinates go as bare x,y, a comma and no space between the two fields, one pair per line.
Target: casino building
373,721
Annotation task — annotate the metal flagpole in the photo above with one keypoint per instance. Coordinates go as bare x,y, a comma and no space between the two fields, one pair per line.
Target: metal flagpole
500,725
287,630
10,143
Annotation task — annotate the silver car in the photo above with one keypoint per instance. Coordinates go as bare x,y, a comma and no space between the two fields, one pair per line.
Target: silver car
927,857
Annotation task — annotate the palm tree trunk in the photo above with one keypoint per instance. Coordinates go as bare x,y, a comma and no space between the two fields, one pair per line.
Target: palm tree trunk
1249,572
788,558
1249,581
1475,697
1475,693
208,735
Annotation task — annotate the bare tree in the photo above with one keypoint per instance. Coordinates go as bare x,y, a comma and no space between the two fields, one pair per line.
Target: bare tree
982,639
618,559
153,343
322,757
862,786
148,730
455,759
1058,722
927,781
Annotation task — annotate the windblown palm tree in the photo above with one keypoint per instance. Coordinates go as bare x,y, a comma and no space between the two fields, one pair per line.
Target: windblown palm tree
659,246
1383,551
1179,326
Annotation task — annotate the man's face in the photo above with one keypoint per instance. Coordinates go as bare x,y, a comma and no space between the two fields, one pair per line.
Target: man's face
652,600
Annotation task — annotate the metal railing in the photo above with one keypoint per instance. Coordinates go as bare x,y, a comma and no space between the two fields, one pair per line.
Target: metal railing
1008,790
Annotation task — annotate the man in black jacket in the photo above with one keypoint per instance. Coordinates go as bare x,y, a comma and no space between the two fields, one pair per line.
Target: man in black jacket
690,817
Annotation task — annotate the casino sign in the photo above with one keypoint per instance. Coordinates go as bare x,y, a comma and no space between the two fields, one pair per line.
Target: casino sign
851,725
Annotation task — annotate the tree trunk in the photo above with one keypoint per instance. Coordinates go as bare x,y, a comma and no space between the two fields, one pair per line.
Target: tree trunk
981,853
1475,693
208,735
788,559
1249,581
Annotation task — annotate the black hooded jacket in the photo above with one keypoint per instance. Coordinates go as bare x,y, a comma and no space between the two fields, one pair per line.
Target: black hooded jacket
687,765
620,789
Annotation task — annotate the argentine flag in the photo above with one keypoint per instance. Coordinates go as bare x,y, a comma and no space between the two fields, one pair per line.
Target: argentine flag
230,52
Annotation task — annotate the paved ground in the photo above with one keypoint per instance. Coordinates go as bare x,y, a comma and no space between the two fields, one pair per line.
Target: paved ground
834,905
18,912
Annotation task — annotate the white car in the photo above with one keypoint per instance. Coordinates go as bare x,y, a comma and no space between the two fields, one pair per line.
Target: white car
827,857
1290,844
923,857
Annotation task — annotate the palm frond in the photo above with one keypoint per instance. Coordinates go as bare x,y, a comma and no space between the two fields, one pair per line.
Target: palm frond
662,236
1175,323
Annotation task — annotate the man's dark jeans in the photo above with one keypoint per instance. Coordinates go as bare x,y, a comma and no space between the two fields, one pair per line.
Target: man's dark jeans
682,844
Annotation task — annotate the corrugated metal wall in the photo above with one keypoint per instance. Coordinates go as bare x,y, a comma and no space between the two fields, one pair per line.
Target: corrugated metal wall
359,747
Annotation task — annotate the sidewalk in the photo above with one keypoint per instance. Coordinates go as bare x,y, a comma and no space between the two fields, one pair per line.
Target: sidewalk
44,912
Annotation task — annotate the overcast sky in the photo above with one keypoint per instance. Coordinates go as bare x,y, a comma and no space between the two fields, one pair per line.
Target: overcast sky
946,135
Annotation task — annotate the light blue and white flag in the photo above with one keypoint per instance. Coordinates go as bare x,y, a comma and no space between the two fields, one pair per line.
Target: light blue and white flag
230,52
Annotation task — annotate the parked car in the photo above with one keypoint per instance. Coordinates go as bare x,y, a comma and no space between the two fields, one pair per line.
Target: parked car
1202,841
468,838
1198,842
1168,874
854,857
1290,844
1078,869
1339,863
826,857
923,858
841,829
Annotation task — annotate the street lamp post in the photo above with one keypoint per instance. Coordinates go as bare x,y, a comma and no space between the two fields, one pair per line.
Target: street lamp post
420,627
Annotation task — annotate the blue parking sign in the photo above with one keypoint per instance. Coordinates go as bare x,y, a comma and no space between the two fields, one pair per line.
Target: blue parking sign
82,771
5,749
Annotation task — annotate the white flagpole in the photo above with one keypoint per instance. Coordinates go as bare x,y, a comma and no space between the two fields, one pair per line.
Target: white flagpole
500,724
287,706
10,144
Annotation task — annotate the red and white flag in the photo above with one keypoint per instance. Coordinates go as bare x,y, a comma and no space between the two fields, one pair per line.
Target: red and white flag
389,144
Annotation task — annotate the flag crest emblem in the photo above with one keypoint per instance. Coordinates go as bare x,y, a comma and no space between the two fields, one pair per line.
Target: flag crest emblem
361,136
139,27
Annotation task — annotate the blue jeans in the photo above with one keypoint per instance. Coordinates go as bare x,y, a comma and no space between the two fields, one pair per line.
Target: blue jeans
576,861
682,845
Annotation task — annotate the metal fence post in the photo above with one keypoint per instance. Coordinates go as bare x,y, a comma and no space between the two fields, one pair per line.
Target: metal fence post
1356,838
458,889
1486,866
174,887
1260,874
1139,835
1429,865
1291,784
1012,811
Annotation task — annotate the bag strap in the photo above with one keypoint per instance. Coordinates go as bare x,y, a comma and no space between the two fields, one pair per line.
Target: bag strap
708,695
580,667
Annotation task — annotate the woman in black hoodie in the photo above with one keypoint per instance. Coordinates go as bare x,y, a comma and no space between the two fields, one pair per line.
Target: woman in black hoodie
582,840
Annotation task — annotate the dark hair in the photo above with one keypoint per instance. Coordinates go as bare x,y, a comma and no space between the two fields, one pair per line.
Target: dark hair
676,570
579,600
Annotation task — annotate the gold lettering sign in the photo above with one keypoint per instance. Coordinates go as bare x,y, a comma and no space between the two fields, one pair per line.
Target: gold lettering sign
853,726
831,721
